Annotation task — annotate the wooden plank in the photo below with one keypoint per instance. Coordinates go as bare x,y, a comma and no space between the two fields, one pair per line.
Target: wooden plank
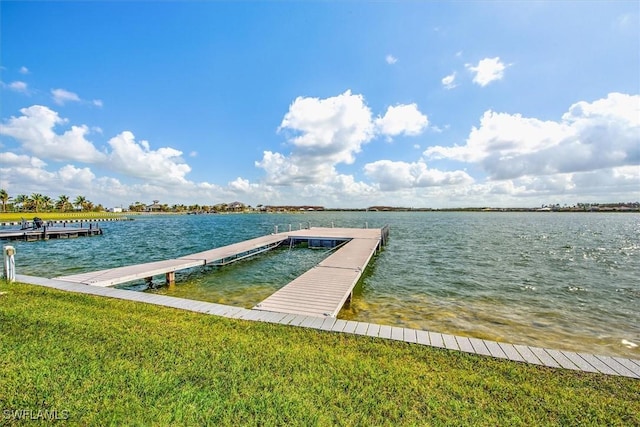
373,330
630,365
561,359
328,323
465,344
511,352
597,363
582,364
339,325
436,339
361,329
422,337
495,349
350,327
544,357
287,319
385,331
527,354
410,335
450,342
397,333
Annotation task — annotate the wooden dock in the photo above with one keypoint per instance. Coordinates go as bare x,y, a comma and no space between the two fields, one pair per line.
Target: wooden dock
50,232
323,290
219,256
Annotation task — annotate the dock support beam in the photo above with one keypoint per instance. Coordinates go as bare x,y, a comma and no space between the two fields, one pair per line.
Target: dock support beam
171,278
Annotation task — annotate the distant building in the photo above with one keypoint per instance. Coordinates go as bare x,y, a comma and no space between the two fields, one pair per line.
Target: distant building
155,207
115,210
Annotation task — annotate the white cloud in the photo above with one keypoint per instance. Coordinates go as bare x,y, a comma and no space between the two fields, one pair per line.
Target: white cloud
19,86
334,128
391,59
12,159
322,133
591,136
24,70
74,177
62,96
402,119
35,131
449,81
393,176
326,132
138,160
487,71
97,103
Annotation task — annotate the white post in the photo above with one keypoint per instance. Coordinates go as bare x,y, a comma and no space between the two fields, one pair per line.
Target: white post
275,227
289,228
366,224
9,263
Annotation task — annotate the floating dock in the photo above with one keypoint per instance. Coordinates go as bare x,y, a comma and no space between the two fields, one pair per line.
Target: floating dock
321,291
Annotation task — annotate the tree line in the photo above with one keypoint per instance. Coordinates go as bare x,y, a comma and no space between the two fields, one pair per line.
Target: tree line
37,202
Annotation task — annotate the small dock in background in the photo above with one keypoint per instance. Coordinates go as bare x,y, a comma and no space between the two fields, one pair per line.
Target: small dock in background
51,232
321,291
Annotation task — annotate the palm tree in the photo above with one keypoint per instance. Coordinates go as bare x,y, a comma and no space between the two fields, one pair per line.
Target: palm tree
4,198
63,203
21,200
37,199
47,203
79,202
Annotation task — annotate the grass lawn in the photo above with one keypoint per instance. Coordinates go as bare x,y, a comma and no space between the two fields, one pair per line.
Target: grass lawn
101,361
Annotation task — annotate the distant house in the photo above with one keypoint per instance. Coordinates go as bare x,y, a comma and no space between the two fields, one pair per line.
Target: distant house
236,207
154,207
115,210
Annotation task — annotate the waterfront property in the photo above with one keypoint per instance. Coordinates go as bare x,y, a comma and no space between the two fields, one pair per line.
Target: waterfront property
561,281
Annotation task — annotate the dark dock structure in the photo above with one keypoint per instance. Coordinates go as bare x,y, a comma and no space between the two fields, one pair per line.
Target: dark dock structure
45,231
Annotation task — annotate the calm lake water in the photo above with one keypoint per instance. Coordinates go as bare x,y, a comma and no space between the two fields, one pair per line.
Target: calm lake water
559,280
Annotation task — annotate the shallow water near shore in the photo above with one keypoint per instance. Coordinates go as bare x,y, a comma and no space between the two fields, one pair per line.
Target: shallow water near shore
557,280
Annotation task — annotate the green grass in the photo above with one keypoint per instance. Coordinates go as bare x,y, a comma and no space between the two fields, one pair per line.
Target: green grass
112,362
55,216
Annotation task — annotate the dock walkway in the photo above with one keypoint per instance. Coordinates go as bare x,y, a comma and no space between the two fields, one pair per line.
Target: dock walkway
217,256
558,359
323,290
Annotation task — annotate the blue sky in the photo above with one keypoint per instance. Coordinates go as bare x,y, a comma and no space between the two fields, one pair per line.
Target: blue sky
341,104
